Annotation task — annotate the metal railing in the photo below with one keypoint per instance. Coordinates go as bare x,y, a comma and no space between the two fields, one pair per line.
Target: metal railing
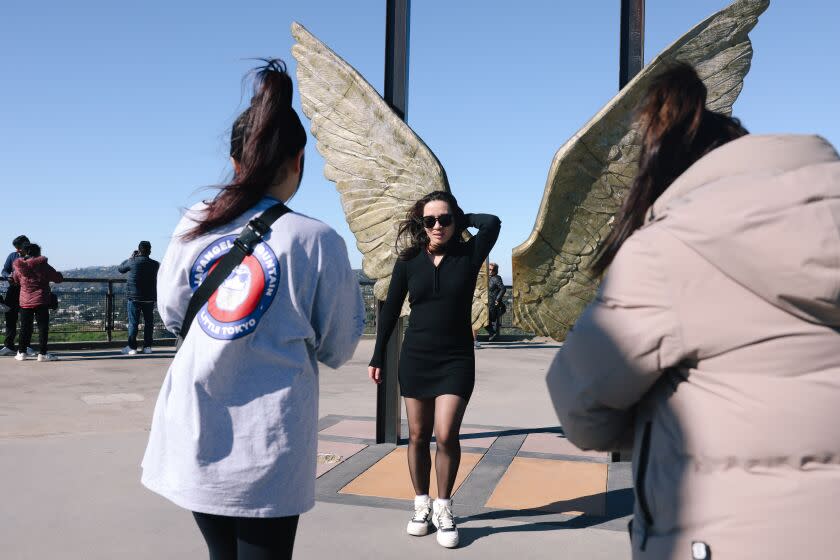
94,310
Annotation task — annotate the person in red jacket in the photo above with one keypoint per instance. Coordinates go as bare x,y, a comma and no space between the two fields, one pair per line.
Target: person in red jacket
33,274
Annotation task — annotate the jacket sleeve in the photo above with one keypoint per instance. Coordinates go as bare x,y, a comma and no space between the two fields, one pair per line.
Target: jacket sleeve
502,290
173,287
7,267
390,312
125,266
15,277
54,276
617,349
488,232
338,316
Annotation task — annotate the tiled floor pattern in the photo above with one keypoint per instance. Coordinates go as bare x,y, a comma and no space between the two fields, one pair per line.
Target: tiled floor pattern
552,485
544,472
389,477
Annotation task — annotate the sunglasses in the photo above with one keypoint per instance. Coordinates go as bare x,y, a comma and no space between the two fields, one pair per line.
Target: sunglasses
444,220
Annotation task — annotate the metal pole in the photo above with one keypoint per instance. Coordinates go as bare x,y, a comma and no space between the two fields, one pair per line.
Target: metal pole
109,311
631,57
397,18
388,392
631,62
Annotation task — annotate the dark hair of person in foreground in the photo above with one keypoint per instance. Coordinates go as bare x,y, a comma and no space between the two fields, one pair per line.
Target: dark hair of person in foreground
265,138
676,130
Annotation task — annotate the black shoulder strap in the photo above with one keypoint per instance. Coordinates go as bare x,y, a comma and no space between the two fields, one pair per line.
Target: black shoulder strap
244,245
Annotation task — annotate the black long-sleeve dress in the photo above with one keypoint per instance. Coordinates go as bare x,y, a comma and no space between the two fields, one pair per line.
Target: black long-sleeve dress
437,356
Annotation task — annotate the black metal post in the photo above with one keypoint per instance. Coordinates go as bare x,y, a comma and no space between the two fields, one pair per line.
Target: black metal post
109,311
388,416
632,49
631,62
397,18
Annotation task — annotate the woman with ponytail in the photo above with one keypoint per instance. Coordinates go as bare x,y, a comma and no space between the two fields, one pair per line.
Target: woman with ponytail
712,345
234,433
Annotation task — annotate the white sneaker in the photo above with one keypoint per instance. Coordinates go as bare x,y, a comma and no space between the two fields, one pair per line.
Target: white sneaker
147,350
20,356
444,521
6,351
419,524
30,352
129,350
47,357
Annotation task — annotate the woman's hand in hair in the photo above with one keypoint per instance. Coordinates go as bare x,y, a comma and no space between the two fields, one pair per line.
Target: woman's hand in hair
375,374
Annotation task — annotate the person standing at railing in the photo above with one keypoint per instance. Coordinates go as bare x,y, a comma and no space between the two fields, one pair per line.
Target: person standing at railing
235,430
33,274
141,295
496,292
12,299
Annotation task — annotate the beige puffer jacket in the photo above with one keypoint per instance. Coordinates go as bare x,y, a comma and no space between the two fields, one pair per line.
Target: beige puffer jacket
715,338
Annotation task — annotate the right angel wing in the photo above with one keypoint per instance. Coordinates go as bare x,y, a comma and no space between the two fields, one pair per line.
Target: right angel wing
592,172
379,165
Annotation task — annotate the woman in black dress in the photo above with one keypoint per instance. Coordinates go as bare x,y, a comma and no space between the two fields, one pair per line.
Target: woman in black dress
438,271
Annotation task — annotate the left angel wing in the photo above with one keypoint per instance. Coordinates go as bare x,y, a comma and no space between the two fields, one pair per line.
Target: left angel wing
378,164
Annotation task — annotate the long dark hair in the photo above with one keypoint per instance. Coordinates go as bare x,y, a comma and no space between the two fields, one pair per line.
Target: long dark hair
676,130
411,235
32,250
266,136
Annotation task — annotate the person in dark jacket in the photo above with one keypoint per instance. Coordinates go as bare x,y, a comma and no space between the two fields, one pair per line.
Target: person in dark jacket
496,292
141,292
33,274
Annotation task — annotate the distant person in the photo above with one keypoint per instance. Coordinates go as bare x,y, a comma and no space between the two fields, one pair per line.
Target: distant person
438,273
234,436
33,274
12,299
496,294
713,344
141,293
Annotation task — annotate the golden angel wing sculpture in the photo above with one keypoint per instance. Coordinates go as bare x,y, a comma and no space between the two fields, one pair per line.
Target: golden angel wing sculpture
378,164
590,175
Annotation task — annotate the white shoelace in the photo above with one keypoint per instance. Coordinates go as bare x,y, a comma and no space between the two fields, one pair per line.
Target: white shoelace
421,513
445,518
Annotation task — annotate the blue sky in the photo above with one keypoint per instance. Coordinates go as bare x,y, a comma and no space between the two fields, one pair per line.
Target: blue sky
115,114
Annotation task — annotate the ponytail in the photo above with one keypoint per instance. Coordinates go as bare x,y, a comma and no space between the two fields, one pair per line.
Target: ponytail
264,138
676,130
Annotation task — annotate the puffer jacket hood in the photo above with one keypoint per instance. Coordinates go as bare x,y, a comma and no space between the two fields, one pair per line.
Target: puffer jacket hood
781,238
34,276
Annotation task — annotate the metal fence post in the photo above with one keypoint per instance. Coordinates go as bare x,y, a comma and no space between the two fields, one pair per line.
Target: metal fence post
109,311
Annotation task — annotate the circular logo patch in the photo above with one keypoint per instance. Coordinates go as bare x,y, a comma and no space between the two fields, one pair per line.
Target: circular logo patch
235,308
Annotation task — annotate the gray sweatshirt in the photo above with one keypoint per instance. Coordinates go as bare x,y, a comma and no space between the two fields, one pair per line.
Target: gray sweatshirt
235,426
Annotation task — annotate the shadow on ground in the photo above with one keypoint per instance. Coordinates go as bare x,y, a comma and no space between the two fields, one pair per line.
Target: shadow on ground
619,504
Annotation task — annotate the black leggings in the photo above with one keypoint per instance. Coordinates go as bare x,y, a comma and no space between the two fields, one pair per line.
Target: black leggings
248,538
27,317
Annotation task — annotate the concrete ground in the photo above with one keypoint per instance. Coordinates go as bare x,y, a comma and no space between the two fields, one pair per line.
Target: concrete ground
72,434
